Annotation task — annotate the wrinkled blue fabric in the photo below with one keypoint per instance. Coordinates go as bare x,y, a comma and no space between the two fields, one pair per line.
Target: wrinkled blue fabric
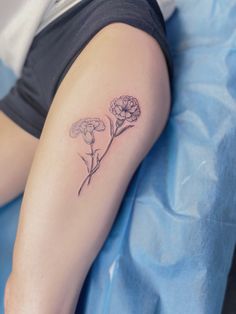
171,246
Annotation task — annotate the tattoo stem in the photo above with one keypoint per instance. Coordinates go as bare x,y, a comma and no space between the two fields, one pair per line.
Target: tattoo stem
92,171
92,156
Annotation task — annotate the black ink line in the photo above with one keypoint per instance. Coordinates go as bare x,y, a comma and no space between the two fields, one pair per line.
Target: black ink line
124,108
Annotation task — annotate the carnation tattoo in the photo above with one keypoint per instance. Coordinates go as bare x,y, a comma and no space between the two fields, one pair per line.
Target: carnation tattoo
126,110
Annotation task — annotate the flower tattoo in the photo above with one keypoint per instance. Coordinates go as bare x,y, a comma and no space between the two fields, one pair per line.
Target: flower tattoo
86,127
126,109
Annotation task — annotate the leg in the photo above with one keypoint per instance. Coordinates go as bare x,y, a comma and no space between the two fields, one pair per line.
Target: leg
58,227
17,148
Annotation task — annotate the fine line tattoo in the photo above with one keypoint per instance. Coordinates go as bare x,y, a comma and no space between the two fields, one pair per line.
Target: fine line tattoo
125,109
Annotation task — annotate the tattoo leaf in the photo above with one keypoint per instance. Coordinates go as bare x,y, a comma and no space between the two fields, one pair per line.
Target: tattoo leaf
111,126
85,161
93,154
96,150
124,129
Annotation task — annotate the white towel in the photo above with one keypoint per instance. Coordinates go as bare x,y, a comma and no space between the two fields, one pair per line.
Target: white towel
167,7
18,26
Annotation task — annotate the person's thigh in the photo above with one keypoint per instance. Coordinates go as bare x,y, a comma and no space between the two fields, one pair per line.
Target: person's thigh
17,148
109,110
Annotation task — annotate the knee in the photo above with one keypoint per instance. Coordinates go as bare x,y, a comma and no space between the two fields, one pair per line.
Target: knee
5,196
3,201
9,189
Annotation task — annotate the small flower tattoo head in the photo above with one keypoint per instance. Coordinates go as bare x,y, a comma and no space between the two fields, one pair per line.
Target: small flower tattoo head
86,127
125,108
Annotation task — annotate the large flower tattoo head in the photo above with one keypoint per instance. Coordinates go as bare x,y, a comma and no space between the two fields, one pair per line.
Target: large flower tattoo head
125,108
86,127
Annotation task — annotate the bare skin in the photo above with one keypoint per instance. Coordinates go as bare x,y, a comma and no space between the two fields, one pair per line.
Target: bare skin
17,149
58,226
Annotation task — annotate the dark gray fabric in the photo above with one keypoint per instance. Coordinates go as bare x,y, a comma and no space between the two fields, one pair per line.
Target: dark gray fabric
55,48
